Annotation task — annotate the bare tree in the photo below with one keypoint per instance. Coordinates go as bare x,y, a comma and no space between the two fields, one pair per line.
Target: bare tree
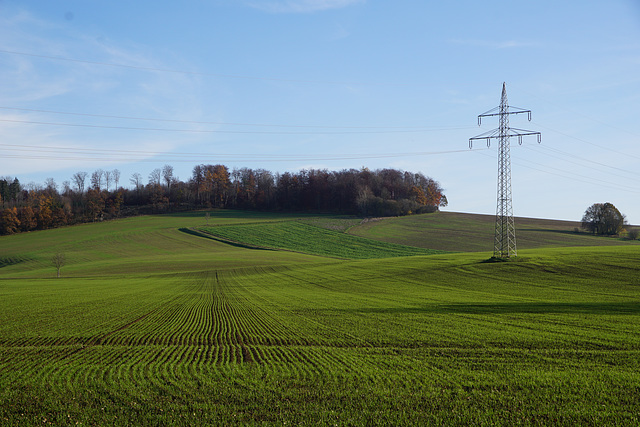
50,184
79,179
58,262
116,178
107,178
136,180
96,179
66,188
155,177
33,186
167,174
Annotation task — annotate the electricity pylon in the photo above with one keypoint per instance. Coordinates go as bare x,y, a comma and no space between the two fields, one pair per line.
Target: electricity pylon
505,233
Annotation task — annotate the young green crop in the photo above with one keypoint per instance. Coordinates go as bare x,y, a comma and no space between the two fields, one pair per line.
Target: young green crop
461,232
151,325
303,237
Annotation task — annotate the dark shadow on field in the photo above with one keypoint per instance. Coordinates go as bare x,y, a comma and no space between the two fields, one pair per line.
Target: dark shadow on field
230,213
7,261
549,230
218,239
616,308
567,232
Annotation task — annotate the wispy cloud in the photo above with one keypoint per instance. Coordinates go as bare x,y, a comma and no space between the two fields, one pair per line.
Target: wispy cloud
301,6
36,82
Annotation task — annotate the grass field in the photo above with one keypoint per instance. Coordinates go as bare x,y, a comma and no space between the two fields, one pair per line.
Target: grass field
303,237
461,232
152,325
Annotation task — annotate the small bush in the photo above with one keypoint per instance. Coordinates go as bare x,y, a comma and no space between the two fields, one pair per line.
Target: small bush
633,233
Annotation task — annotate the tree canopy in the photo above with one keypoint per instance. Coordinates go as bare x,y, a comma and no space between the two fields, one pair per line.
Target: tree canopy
604,219
365,192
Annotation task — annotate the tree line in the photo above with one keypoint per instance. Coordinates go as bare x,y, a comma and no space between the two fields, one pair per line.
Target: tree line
100,195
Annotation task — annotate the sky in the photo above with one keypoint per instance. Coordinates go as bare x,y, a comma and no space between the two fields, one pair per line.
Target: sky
286,85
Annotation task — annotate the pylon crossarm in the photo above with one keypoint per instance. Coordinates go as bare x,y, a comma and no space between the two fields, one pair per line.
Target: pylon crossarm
510,132
497,112
486,136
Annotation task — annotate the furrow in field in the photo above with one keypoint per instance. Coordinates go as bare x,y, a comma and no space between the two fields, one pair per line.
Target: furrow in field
259,326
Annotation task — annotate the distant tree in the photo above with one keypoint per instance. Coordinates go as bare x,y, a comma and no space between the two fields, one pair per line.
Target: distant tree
28,220
44,214
159,201
167,175
116,178
217,180
136,181
95,204
50,185
96,179
79,178
58,261
108,176
418,196
603,218
113,204
14,189
155,177
633,233
9,222
66,188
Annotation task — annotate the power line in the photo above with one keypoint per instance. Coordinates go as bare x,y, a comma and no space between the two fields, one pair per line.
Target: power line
87,154
572,157
224,123
197,73
563,173
345,132
587,142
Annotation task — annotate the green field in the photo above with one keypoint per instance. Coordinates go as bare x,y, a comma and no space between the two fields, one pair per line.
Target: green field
152,324
302,237
452,231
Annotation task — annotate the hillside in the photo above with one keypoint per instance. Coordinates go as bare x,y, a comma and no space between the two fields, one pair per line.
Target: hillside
451,231
152,325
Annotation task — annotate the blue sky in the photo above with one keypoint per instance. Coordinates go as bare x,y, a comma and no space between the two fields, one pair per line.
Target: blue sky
290,84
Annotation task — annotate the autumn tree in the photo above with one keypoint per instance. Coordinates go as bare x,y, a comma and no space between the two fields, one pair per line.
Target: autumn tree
45,211
604,219
27,218
217,182
9,222
159,201
418,196
113,204
95,204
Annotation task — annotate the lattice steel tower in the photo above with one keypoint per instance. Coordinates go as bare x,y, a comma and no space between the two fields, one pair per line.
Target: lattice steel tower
505,233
